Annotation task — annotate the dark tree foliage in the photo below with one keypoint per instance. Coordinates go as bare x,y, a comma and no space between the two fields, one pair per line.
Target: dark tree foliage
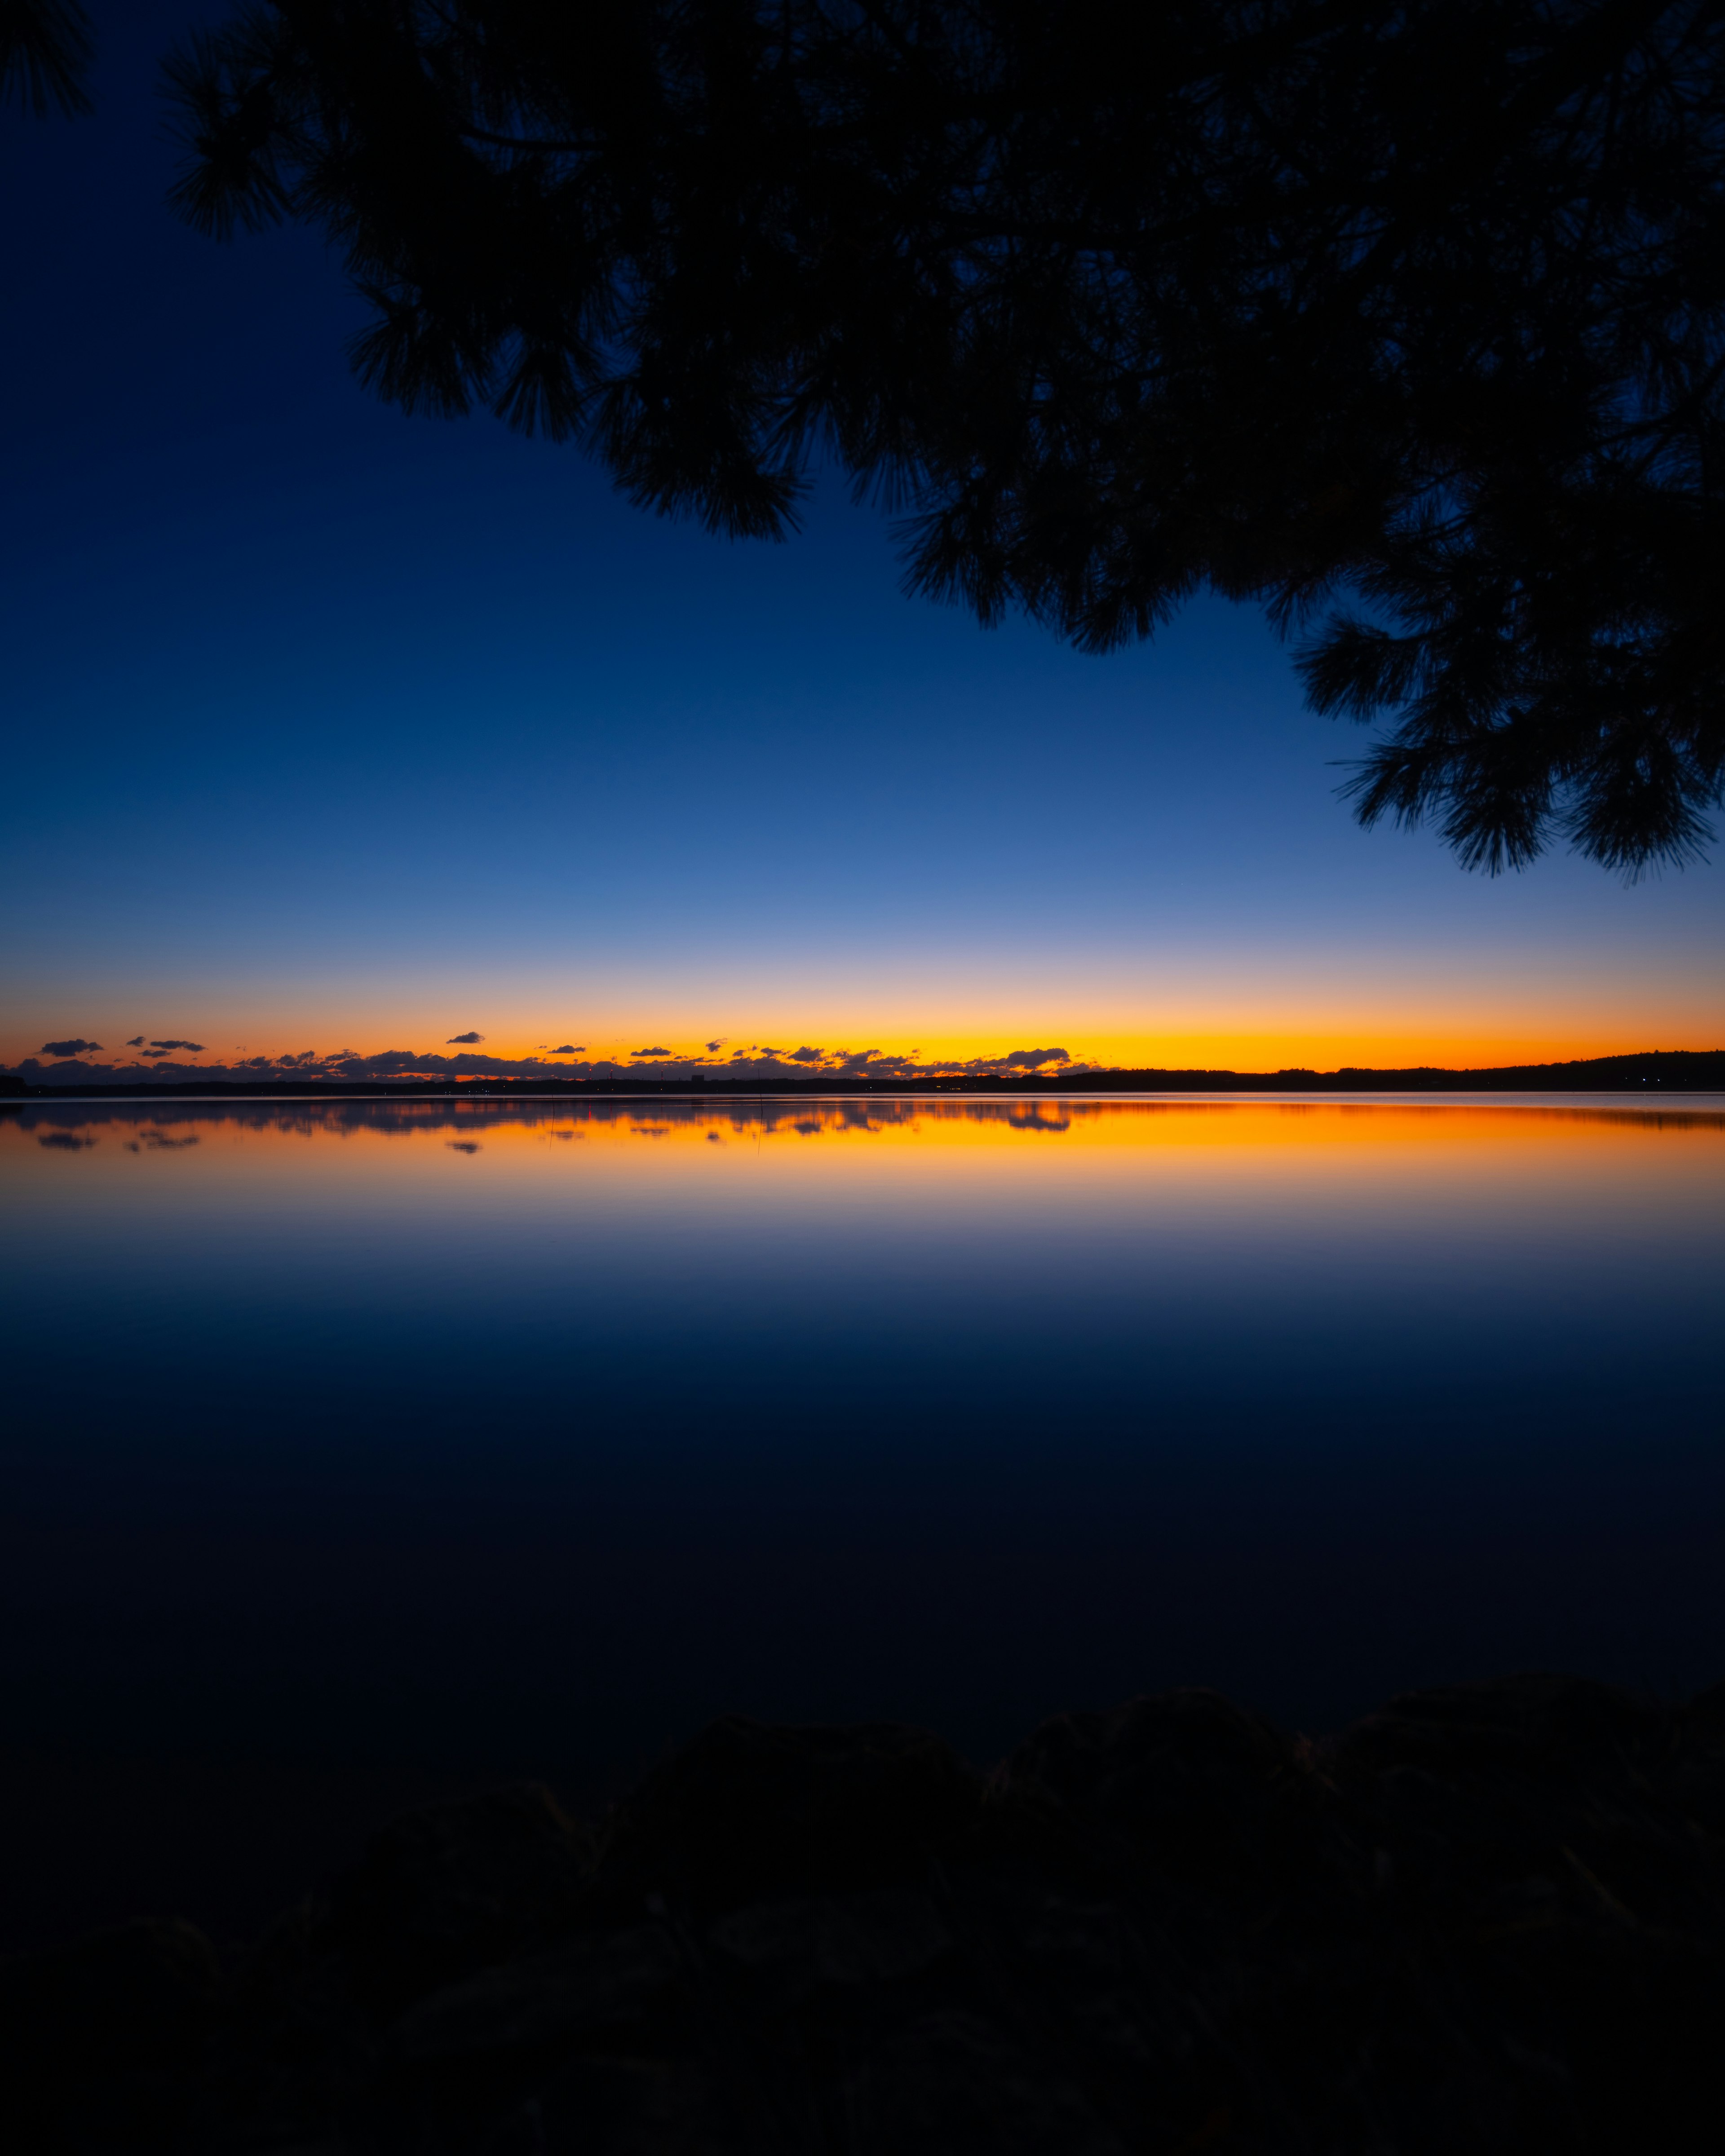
1414,308
44,52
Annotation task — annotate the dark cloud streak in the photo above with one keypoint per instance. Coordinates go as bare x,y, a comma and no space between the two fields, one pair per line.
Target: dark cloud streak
759,1065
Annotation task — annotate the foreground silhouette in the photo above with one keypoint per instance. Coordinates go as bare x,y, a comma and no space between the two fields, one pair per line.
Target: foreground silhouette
1488,1918
1419,303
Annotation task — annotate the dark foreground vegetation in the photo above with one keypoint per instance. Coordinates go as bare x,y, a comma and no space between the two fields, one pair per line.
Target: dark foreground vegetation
1490,1917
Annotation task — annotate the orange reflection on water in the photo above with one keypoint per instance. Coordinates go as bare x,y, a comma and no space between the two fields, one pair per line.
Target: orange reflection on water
901,1140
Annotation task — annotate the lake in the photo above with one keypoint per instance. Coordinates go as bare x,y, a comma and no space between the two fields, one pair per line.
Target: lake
463,1439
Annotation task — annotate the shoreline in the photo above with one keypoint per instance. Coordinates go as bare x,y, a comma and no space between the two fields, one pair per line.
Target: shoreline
1667,1070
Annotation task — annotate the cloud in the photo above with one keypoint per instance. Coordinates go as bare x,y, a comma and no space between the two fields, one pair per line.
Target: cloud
388,1062
137,1041
463,1039
758,1064
461,1144
872,1062
68,1047
63,1141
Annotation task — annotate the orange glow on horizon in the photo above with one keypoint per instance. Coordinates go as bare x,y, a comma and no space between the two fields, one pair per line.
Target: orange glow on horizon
1249,1053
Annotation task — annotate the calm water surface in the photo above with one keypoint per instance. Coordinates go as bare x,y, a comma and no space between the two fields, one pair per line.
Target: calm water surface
527,1436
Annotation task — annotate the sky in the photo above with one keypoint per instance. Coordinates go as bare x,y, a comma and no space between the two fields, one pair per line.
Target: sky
332,734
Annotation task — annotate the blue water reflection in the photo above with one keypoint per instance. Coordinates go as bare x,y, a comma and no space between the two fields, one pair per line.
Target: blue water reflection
529,1435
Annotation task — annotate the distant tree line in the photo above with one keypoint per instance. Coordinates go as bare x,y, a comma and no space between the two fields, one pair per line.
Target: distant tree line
1401,319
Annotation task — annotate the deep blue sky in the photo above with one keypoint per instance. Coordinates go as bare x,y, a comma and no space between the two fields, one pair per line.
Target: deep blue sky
330,728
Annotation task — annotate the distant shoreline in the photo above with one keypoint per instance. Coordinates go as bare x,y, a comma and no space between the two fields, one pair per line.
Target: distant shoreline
1669,1072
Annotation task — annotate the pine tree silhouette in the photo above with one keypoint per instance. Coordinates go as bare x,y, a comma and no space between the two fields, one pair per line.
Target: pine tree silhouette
1401,319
